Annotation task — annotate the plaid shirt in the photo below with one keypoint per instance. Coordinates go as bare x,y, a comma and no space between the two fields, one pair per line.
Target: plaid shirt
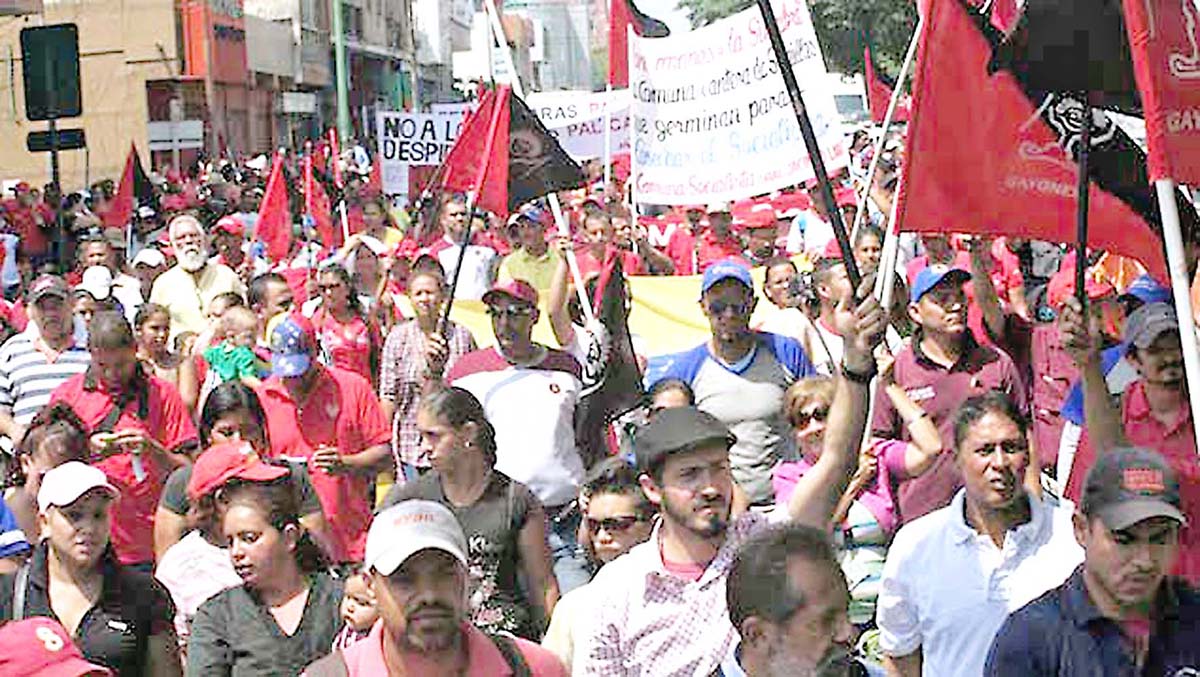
400,379
654,624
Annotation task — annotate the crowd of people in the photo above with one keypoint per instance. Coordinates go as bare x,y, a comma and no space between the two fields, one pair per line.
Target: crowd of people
217,463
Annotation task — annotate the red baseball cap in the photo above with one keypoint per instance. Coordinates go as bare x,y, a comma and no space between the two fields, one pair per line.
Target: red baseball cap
226,461
40,647
22,187
516,289
229,224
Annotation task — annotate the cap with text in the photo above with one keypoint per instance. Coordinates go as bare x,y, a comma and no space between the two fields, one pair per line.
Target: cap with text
48,285
409,527
518,290
1129,485
41,647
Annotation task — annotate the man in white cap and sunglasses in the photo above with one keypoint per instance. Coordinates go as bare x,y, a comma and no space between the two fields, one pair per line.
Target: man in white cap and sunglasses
416,563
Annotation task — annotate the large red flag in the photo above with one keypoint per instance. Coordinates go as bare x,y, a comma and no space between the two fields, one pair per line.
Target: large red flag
621,15
879,93
335,156
316,205
1164,38
274,226
988,163
375,179
134,186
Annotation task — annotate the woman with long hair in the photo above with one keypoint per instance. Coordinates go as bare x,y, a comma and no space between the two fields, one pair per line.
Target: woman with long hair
348,335
152,327
119,617
285,614
504,523
55,436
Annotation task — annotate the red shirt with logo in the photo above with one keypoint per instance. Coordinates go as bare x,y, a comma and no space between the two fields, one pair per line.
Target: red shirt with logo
347,345
341,411
159,413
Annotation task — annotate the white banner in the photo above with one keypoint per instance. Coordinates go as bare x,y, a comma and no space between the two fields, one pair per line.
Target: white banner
713,119
411,140
577,118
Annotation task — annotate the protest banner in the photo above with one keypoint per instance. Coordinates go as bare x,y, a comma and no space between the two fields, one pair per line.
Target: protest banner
412,140
712,118
576,118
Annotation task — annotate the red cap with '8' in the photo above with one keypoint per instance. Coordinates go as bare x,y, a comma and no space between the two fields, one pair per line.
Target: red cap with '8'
40,647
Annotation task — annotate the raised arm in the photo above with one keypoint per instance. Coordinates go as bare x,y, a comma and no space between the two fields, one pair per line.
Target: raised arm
817,493
1080,337
556,301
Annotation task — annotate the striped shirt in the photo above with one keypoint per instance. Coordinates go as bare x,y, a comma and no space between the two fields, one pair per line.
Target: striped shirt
27,377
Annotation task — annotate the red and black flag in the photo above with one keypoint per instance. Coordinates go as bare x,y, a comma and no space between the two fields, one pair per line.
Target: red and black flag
613,382
135,190
507,157
622,14
879,92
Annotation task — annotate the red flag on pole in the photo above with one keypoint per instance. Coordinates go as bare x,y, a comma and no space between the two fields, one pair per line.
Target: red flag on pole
375,180
1164,38
134,187
274,226
621,15
335,157
316,205
1005,14
989,163
879,93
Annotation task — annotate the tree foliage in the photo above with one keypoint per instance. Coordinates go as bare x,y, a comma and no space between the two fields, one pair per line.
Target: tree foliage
843,27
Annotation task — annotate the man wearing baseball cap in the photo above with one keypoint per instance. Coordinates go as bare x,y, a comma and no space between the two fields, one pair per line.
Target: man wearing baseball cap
1152,413
228,235
533,260
416,562
529,392
739,376
941,368
664,612
330,419
1119,613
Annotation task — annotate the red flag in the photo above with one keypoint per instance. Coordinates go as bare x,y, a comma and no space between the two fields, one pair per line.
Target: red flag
621,15
121,209
316,205
335,158
478,161
1164,38
375,180
988,163
879,93
274,226
1005,14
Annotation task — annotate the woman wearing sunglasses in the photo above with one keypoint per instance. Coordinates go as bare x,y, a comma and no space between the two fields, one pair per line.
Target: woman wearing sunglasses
865,518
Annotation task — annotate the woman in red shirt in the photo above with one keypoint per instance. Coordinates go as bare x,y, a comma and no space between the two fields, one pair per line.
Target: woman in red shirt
348,336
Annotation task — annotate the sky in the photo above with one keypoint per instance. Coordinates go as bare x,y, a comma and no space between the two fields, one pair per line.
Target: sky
666,10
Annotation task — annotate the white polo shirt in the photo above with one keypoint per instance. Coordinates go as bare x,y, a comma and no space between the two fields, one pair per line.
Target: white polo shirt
946,588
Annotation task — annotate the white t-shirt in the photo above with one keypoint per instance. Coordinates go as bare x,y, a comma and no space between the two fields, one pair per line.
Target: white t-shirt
476,275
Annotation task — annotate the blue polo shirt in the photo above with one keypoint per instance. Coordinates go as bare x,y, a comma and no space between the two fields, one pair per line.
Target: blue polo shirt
1063,633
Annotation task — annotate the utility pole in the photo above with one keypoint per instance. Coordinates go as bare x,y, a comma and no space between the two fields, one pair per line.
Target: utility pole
340,75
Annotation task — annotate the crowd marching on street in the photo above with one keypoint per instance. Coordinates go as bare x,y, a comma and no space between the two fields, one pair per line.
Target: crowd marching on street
242,433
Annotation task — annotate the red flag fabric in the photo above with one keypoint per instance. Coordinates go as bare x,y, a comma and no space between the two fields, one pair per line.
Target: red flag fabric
988,163
375,180
274,226
619,18
316,205
1005,14
879,93
121,209
335,158
478,161
1164,38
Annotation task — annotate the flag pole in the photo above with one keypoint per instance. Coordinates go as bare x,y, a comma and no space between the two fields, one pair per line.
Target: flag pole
555,208
1180,289
893,103
608,135
1081,202
810,142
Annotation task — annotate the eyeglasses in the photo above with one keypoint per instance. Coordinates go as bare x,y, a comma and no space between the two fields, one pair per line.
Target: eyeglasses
329,287
510,311
613,525
718,307
802,418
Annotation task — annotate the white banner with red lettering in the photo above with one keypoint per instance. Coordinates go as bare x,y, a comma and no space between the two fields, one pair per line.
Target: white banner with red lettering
712,119
577,119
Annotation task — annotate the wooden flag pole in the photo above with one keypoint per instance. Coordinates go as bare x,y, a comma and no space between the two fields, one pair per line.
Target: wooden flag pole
810,143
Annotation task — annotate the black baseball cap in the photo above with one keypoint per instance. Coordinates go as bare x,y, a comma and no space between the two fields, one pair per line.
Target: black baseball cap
676,430
1129,485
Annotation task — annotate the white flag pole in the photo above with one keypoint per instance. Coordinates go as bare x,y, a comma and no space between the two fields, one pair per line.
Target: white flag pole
608,95
1181,290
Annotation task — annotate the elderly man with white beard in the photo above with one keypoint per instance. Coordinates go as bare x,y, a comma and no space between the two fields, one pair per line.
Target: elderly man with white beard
186,289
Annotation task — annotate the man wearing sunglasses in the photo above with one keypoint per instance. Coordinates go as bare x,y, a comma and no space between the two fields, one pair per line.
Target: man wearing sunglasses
739,376
529,393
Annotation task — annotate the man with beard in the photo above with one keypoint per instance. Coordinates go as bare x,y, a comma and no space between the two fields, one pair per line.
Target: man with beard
953,576
664,614
739,376
1153,413
186,289
1119,613
417,566
788,598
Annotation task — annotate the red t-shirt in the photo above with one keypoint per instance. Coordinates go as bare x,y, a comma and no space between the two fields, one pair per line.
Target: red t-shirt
166,421
342,411
21,221
589,265
347,344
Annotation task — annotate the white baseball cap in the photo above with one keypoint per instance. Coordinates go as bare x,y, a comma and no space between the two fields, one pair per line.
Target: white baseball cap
150,256
409,527
97,281
64,484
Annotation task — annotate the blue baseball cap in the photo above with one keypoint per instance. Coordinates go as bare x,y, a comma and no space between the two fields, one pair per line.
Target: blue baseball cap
933,276
292,345
726,269
1147,290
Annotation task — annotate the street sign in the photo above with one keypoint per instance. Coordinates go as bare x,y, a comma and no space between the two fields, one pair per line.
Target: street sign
181,135
50,66
68,139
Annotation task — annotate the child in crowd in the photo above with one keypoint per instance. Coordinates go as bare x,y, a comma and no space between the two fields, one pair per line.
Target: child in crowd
358,611
233,357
